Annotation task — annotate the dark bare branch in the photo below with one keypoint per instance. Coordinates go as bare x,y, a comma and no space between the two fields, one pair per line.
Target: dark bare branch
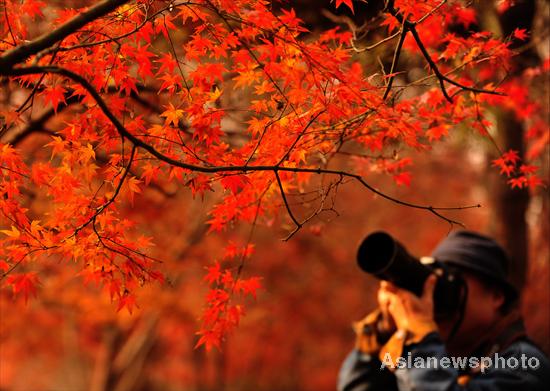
411,26
217,169
20,53
395,60
283,196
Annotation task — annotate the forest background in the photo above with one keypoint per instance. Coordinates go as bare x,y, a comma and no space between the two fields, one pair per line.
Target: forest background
122,272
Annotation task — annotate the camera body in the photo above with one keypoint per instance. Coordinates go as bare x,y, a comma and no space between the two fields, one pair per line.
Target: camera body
385,258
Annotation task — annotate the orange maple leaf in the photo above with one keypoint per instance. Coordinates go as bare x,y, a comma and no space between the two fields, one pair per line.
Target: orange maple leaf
13,233
172,115
132,184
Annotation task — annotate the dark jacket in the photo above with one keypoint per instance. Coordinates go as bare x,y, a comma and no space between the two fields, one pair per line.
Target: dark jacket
365,372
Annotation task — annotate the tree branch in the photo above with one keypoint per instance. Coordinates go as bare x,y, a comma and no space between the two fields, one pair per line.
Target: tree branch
217,169
283,195
102,207
22,52
404,30
310,122
411,26
441,76
319,210
108,40
36,125
8,23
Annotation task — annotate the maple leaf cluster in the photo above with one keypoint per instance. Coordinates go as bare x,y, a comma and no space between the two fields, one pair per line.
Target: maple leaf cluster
217,96
520,175
222,314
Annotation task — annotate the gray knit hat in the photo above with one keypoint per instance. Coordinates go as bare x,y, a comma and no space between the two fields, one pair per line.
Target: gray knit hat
478,254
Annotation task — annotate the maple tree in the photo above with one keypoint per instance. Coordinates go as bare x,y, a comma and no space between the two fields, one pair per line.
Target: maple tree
230,97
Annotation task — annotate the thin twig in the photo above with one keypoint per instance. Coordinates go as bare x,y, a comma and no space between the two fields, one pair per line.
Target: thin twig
283,195
107,40
430,13
8,23
319,210
104,206
375,45
310,122
395,60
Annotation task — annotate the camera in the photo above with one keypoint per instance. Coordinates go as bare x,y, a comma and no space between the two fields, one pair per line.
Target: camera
385,258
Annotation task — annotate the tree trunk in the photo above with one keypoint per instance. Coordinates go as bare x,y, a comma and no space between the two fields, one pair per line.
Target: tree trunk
510,205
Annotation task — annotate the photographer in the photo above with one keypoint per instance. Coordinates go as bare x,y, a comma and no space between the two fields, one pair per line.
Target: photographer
403,346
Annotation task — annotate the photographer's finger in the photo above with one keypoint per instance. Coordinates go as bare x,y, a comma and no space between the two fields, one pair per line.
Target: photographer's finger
385,285
429,287
390,287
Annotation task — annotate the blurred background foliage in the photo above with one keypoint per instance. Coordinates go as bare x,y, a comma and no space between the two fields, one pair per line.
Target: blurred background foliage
295,335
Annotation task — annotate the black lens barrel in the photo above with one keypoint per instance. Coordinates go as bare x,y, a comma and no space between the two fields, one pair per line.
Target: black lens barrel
387,259
382,256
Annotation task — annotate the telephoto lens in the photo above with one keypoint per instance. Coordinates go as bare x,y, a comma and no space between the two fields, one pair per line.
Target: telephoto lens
385,258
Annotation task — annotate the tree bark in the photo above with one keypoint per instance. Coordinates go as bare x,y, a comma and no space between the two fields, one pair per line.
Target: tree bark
510,205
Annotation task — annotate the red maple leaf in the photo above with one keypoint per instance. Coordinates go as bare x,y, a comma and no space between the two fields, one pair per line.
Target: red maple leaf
213,273
349,3
519,182
511,156
250,286
520,34
437,132
24,283
235,182
54,95
209,339
403,178
466,16
127,300
528,169
167,63
32,8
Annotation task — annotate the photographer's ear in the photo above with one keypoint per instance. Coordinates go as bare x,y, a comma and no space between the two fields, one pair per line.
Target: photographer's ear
498,298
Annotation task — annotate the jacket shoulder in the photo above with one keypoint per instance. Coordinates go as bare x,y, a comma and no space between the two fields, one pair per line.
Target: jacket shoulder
528,348
531,360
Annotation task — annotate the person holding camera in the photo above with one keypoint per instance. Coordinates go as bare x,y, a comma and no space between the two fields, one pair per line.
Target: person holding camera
460,330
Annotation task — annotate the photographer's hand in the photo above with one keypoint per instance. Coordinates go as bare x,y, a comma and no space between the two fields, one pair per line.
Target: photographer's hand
376,328
413,315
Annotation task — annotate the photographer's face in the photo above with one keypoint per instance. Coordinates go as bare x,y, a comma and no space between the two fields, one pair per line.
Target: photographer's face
481,312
